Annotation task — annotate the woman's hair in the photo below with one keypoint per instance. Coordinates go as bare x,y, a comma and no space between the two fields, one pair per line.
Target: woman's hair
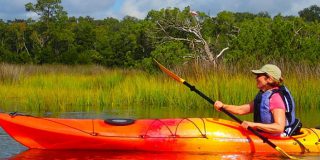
275,81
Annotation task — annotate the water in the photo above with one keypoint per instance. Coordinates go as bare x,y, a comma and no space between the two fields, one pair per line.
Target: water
10,149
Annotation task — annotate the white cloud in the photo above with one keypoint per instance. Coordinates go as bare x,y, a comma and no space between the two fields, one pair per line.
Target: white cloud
300,5
93,8
13,9
140,8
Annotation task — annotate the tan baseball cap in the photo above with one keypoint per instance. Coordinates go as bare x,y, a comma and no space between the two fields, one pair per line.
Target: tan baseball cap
270,69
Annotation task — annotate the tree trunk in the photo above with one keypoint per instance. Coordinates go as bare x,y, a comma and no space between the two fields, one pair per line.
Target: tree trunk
208,51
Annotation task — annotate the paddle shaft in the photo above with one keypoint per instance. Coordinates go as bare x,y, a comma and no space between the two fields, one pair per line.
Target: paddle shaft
193,88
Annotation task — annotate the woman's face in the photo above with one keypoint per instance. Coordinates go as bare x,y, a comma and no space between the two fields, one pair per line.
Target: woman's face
262,81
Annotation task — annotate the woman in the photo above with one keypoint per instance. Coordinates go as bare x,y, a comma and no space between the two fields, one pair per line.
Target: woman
273,106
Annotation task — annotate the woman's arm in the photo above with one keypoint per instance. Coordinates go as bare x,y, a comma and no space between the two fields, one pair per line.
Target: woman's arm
234,109
276,127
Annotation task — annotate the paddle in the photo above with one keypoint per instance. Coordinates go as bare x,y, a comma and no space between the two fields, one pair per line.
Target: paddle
193,88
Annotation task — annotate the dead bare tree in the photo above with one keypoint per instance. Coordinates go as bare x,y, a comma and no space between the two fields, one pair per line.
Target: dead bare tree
191,27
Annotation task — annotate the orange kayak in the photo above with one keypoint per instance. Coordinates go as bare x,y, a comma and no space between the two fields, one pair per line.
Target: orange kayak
200,135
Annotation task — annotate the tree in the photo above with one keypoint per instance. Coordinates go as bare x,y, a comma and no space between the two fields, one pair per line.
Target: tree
50,36
184,26
122,43
310,14
170,53
242,16
48,10
2,33
15,42
84,41
252,42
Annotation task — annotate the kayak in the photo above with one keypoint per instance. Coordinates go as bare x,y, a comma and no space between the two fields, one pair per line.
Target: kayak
200,135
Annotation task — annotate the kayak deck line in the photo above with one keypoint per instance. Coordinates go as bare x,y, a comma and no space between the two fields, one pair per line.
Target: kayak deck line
202,135
313,130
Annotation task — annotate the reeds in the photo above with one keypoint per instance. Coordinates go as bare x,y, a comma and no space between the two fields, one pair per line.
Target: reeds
59,88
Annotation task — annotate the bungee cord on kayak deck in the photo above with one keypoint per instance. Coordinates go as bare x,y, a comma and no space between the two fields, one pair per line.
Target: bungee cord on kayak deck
14,114
317,143
203,135
204,127
173,132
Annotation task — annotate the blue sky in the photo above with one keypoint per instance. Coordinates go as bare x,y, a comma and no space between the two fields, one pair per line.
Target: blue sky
100,9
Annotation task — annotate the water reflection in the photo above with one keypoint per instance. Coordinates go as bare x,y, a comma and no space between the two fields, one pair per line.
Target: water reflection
100,155
129,155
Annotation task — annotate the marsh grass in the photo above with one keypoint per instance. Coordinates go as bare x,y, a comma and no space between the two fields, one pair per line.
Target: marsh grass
60,88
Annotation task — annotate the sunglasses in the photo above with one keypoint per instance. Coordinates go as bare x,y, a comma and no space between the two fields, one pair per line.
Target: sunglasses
262,74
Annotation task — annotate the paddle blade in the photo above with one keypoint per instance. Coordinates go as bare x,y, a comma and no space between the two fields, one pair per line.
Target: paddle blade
168,72
284,153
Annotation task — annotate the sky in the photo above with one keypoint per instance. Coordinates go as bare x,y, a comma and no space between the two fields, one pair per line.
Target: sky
101,9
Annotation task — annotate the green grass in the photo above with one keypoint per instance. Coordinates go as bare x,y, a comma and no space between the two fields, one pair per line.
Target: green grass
58,88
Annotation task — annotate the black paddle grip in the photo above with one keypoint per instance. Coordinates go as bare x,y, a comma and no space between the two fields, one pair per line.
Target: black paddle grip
193,88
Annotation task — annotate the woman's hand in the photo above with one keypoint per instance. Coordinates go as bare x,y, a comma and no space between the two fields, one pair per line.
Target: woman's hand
246,124
218,105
